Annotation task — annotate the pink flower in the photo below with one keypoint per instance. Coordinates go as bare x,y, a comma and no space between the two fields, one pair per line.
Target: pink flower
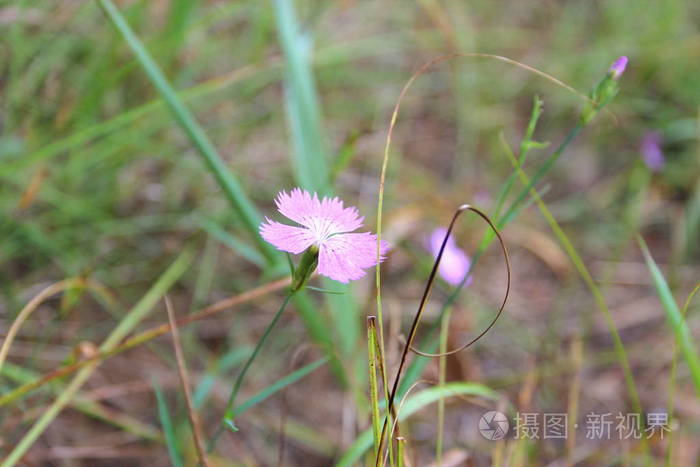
455,263
618,67
342,255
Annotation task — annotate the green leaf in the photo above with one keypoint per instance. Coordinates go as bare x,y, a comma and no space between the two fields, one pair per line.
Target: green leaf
692,224
332,292
171,441
228,239
684,338
412,405
227,181
279,385
303,111
310,165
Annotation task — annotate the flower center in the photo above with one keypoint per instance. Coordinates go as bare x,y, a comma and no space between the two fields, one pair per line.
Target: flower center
322,228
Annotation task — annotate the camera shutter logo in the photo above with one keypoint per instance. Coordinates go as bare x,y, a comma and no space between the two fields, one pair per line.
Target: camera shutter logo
493,425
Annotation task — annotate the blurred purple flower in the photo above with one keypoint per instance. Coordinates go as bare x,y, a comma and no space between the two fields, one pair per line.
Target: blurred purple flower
651,151
455,263
618,67
342,255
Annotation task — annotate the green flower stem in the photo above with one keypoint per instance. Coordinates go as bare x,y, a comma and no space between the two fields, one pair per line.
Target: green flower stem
541,171
227,421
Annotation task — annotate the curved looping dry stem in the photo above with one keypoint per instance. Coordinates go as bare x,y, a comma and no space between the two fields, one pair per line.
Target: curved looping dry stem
437,265
392,124
394,116
382,181
424,300
38,300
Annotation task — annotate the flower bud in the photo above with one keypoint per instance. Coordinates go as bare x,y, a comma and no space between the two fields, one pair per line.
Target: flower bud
618,67
605,91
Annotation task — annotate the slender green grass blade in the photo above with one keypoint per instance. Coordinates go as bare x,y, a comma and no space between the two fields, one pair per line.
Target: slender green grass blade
230,240
672,377
176,27
166,422
120,420
400,451
692,224
373,391
442,373
228,182
10,149
683,336
278,386
414,403
309,160
303,110
345,155
324,291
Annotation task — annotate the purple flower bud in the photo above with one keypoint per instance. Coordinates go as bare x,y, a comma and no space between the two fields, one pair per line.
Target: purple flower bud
618,67
651,151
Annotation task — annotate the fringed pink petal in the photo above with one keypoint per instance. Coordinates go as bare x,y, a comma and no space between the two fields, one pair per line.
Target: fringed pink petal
344,257
306,209
286,237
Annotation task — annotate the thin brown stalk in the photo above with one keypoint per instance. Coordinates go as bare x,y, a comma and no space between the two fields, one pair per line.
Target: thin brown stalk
195,423
38,300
